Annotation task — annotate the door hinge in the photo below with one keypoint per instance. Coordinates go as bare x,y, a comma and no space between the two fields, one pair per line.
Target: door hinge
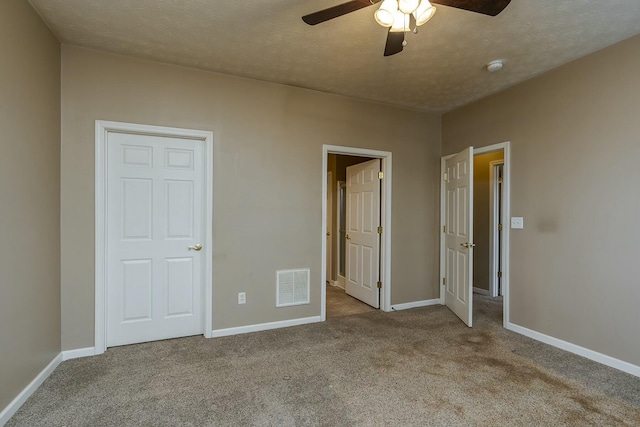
444,228
379,230
380,175
499,180
379,285
446,177
444,280
500,274
499,227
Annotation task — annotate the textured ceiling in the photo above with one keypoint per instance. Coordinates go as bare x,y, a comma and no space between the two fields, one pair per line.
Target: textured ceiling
440,69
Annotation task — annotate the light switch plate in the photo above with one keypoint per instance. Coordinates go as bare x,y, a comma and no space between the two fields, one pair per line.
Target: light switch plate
517,222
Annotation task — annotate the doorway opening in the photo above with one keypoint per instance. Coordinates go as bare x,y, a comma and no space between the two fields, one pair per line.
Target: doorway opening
487,225
475,239
341,302
496,182
488,170
132,250
356,231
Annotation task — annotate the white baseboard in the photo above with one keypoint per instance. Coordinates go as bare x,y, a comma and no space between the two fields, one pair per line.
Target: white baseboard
415,304
481,291
16,403
77,353
576,349
264,326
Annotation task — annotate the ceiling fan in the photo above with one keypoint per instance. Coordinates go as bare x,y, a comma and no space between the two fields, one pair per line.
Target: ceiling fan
402,16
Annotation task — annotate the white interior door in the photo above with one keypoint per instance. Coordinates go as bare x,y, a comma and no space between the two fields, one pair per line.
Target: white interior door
458,234
329,242
363,240
155,213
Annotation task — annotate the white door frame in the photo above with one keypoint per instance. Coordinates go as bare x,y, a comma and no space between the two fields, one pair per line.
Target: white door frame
103,128
506,212
385,219
341,281
494,204
329,234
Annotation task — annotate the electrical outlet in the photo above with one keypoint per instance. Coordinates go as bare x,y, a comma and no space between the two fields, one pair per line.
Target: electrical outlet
517,222
242,298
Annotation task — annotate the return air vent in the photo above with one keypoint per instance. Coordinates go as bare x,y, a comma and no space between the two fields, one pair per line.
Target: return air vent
292,287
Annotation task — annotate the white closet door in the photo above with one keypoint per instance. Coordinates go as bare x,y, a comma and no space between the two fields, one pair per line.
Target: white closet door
155,198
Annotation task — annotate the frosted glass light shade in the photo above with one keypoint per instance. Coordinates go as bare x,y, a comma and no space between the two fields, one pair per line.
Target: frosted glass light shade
401,23
408,6
424,12
385,15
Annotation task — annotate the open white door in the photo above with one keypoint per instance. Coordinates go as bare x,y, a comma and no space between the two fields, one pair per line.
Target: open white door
363,240
458,234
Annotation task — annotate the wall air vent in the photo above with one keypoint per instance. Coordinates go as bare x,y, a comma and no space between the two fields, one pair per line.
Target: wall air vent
292,287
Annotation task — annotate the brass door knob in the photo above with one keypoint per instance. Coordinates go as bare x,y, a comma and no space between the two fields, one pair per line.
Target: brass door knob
197,247
347,237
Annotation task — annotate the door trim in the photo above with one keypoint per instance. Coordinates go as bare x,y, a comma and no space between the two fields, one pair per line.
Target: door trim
340,280
506,215
385,220
329,218
102,129
494,203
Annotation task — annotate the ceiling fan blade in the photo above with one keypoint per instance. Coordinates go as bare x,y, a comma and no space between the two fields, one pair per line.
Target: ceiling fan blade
394,43
486,7
336,11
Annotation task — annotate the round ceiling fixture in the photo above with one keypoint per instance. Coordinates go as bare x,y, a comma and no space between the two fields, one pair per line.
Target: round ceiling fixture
494,66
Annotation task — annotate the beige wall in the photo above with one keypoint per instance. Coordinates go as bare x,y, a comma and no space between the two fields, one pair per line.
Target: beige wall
29,197
575,137
482,212
267,179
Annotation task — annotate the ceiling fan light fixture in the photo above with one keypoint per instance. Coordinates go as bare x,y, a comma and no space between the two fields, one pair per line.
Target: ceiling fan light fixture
386,14
401,23
424,12
408,6
403,16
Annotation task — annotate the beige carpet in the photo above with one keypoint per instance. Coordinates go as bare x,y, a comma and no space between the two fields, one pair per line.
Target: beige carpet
414,367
